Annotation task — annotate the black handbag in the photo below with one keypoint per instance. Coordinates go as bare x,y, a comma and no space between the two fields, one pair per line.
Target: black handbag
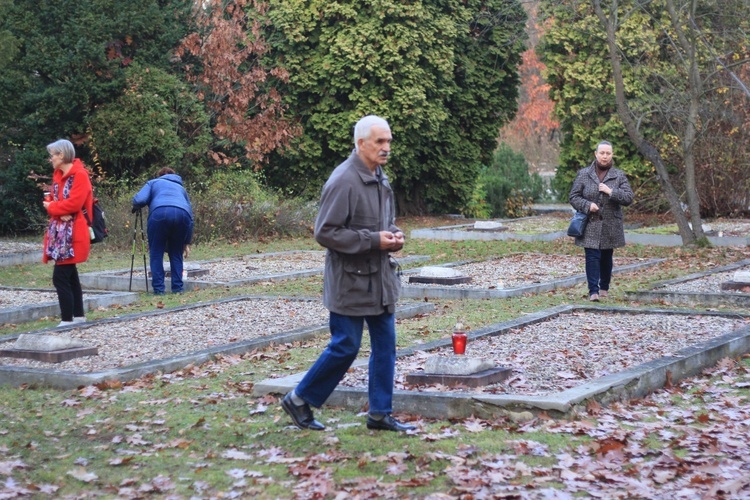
578,224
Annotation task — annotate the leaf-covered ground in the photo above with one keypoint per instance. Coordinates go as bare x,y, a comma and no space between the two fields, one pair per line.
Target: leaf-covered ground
199,432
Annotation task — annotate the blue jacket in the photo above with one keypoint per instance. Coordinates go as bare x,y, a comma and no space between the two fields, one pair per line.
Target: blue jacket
164,191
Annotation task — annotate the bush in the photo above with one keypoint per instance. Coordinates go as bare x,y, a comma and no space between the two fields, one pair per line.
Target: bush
21,197
508,184
228,207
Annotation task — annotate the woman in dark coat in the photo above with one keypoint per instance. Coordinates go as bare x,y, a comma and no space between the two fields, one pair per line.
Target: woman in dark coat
601,190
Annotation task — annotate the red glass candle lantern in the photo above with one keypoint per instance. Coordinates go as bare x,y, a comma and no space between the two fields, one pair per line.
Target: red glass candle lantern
459,342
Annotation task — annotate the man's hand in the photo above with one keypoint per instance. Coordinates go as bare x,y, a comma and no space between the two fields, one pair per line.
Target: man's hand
186,251
603,188
391,241
593,208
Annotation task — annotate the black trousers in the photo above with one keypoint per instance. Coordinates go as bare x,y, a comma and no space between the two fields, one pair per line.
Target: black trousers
69,291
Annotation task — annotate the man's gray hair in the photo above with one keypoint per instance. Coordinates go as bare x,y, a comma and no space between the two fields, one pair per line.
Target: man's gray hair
364,126
63,146
603,143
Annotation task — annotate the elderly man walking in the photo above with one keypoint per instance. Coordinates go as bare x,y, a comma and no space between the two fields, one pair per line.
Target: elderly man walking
356,224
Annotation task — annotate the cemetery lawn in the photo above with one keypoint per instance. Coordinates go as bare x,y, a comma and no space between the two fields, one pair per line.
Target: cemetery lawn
199,433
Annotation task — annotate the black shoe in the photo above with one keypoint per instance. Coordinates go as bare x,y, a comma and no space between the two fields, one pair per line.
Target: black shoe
302,415
388,423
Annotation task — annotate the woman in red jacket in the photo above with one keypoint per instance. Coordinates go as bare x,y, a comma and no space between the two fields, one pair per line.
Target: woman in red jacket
67,240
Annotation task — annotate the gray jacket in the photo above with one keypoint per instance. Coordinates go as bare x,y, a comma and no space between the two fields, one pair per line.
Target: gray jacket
604,230
360,279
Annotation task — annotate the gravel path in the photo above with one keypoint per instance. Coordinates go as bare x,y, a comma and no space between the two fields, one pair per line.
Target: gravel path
571,349
251,267
17,298
170,334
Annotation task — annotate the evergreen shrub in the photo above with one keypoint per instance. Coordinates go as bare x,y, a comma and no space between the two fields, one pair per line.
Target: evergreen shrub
508,185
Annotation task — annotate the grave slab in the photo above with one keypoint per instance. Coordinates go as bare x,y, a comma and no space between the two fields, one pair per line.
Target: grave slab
59,379
659,292
478,379
446,292
120,279
634,382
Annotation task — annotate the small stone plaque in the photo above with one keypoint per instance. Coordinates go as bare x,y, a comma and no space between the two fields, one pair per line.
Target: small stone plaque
736,286
50,356
46,343
456,365
192,273
457,280
479,379
488,225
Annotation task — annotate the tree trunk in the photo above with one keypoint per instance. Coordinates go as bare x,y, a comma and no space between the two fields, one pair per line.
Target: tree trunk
644,147
695,90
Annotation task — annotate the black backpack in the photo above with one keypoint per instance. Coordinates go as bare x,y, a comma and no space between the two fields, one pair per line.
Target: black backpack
98,225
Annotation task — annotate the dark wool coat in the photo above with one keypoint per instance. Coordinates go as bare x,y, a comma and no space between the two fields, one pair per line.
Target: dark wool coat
359,278
604,229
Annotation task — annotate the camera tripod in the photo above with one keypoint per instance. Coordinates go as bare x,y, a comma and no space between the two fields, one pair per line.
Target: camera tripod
138,222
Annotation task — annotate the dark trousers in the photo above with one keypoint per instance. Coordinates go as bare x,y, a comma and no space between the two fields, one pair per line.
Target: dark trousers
598,269
169,230
69,291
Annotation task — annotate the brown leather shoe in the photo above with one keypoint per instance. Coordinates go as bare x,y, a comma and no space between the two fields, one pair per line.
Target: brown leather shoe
603,294
302,415
594,297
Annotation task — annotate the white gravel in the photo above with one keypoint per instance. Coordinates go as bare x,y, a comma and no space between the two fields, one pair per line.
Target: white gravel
156,337
18,298
250,266
571,349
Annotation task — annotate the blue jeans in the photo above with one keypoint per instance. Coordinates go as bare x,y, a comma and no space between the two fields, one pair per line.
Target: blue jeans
598,269
169,230
346,338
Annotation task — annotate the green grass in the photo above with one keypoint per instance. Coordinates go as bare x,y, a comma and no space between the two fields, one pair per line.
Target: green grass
200,432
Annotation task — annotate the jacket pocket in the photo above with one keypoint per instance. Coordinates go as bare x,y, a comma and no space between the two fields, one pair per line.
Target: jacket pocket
358,276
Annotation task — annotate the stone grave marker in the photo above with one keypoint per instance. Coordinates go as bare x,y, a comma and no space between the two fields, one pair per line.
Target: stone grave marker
740,282
489,225
440,276
458,370
48,348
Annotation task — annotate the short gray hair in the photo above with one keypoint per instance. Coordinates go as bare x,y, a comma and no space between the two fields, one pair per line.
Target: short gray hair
364,126
603,143
63,146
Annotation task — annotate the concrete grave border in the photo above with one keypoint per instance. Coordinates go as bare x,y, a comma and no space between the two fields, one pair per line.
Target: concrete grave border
674,240
109,280
92,299
16,258
693,299
448,292
60,379
634,382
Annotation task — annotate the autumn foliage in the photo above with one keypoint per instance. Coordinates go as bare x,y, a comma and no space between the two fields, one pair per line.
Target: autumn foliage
225,64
